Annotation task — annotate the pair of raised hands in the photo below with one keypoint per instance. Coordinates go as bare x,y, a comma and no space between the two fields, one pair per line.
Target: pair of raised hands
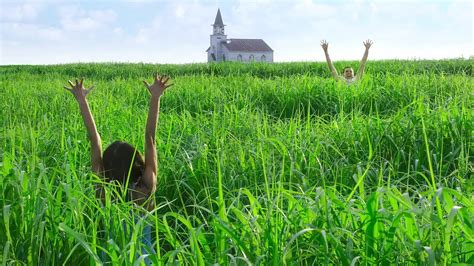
325,44
156,89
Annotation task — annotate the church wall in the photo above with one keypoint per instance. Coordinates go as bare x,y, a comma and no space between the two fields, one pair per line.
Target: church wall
234,56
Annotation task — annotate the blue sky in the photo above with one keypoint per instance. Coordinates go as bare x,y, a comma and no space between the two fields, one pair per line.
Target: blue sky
165,31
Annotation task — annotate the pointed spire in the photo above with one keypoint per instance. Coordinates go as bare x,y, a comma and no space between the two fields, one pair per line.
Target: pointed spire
218,21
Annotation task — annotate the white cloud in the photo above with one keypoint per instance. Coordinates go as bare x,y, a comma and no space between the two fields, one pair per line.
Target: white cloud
142,36
180,11
74,18
458,13
10,12
177,24
312,10
118,31
146,32
29,31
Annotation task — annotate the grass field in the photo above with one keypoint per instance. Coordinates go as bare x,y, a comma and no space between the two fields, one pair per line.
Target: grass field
258,164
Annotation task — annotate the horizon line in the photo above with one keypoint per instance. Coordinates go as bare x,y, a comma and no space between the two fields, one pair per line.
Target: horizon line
471,57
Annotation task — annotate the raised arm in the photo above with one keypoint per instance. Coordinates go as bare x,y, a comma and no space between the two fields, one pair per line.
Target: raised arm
325,45
80,94
156,90
360,72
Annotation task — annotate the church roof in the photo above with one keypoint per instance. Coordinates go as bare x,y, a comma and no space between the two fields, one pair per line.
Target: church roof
218,21
247,45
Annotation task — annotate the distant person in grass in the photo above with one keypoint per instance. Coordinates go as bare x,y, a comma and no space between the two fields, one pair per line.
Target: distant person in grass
348,72
121,162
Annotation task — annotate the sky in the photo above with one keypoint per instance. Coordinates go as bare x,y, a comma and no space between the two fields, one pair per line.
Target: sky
166,31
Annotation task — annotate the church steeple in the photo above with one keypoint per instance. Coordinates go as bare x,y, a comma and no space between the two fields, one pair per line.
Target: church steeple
218,24
218,21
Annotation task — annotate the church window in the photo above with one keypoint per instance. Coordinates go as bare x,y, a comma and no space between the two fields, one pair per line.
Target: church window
223,57
251,57
239,58
264,58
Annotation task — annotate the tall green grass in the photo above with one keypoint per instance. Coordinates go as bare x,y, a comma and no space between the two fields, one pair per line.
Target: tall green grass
258,164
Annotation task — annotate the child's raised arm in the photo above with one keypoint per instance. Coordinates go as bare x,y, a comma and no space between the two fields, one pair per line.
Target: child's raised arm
325,45
367,45
80,94
157,89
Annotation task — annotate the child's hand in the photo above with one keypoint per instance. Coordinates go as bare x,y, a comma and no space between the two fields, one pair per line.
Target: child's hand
159,85
78,89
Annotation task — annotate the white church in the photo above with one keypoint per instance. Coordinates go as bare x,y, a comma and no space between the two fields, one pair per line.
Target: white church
242,50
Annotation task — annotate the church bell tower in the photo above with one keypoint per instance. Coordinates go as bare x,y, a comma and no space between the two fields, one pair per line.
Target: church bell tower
217,38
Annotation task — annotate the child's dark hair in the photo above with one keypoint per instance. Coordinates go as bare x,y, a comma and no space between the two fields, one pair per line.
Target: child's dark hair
120,159
346,67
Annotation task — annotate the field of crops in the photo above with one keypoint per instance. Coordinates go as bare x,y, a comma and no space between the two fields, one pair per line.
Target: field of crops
258,164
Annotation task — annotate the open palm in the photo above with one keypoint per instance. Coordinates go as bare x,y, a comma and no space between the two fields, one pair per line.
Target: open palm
160,84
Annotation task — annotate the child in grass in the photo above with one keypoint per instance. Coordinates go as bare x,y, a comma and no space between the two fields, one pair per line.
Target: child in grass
348,72
121,162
